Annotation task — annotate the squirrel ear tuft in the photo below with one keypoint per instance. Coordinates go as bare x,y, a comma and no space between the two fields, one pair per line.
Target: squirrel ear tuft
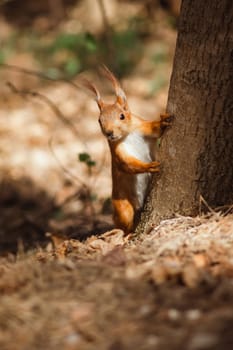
120,94
93,89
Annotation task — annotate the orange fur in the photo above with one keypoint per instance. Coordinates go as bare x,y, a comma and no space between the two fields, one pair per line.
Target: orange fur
122,128
123,214
133,165
151,128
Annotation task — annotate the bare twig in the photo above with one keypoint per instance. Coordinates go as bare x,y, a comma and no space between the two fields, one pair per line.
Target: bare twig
108,31
203,201
225,209
51,104
104,16
228,210
86,187
58,113
37,74
65,170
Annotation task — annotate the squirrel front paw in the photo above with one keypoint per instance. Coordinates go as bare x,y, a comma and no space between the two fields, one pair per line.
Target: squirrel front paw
154,167
166,119
165,122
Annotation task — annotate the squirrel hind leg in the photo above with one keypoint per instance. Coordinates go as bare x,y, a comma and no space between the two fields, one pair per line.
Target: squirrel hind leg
123,215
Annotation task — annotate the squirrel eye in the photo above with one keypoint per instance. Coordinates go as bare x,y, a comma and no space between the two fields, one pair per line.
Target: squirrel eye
122,116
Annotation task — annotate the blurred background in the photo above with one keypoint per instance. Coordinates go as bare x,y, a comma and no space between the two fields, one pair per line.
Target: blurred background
54,162
65,37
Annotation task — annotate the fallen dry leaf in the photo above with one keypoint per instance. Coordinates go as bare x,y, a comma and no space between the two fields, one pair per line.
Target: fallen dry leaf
101,245
159,274
107,241
191,276
200,260
136,271
115,257
63,249
114,237
56,239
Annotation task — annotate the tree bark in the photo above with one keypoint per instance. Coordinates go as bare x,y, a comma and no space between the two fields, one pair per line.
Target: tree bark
197,152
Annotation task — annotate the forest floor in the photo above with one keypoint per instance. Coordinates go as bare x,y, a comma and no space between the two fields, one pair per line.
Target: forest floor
68,279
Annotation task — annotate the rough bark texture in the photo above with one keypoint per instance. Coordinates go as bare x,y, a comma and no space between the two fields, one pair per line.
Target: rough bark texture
197,152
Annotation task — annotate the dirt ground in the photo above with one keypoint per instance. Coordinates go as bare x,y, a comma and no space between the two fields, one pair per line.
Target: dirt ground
68,279
170,289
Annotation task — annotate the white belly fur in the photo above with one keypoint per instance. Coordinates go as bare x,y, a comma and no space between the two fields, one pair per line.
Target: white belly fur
136,146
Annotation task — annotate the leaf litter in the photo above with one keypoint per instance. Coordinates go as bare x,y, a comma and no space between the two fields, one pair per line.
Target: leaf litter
171,288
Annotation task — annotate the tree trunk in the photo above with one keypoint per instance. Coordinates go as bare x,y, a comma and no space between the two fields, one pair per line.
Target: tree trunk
197,152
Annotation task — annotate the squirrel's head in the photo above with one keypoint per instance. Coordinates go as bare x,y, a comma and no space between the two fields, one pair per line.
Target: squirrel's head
114,119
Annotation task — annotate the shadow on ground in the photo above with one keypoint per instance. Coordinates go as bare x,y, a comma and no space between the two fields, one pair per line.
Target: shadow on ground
28,213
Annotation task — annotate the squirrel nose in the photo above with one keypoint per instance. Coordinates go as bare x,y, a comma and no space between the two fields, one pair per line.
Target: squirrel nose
109,134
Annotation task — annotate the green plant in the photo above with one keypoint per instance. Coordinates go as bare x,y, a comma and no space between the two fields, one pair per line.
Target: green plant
86,159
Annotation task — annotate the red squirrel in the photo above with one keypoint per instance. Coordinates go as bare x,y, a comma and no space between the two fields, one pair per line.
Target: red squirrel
130,139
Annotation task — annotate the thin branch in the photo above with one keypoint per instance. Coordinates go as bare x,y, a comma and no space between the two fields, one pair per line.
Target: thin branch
50,103
66,171
78,179
203,201
104,16
108,31
224,209
71,126
58,114
37,74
